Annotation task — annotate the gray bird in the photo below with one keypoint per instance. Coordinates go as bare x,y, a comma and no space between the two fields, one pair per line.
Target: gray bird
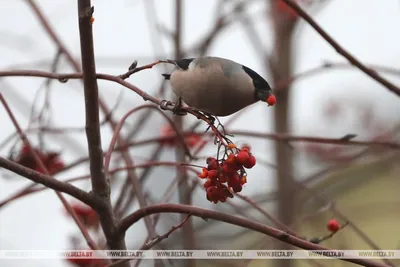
218,86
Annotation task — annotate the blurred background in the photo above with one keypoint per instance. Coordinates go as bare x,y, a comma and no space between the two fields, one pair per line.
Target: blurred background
301,184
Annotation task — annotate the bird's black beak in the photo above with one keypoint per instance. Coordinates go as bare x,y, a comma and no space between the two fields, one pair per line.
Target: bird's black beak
266,96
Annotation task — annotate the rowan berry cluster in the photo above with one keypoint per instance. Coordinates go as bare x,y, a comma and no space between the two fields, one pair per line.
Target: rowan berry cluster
228,174
51,160
86,214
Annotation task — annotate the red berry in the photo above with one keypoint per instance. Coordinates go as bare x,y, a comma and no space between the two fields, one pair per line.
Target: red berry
209,183
237,167
231,160
226,168
333,225
234,180
243,180
223,199
237,188
246,148
242,157
212,163
213,174
223,178
221,196
250,163
212,194
204,174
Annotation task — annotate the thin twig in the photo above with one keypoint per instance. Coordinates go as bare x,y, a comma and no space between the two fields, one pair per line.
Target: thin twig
371,73
274,220
156,240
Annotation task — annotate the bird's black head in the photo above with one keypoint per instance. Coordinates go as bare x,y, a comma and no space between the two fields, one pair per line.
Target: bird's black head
262,90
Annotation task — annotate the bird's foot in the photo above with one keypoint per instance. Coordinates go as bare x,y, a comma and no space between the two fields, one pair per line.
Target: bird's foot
165,104
177,108
205,116
212,118
212,121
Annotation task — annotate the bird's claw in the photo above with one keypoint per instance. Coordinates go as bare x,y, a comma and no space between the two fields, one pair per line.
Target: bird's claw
210,117
179,111
207,115
177,108
164,104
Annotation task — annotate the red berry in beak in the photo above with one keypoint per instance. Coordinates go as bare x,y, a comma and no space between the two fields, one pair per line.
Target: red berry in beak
271,100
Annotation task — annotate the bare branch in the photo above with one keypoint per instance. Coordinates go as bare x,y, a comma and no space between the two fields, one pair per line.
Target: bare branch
42,166
371,73
235,220
100,183
48,181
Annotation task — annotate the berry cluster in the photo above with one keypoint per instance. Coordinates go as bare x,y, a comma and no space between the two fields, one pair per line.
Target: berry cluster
227,174
50,160
87,215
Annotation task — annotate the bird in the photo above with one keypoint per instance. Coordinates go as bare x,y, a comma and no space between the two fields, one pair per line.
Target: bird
217,86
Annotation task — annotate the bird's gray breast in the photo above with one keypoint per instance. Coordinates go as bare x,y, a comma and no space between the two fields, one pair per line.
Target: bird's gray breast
215,87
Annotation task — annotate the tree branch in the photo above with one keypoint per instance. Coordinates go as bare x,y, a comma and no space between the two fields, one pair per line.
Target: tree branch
100,183
235,220
371,73
48,181
184,193
42,166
